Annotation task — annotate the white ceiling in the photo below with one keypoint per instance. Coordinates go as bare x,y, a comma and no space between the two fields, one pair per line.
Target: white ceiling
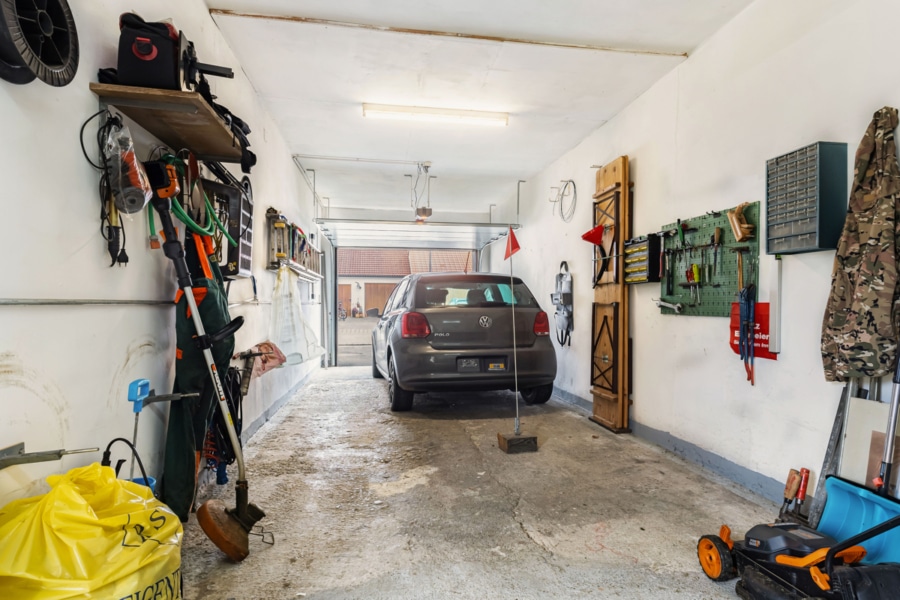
314,71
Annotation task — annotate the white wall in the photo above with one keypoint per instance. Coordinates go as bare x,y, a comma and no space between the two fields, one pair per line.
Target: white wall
780,76
64,371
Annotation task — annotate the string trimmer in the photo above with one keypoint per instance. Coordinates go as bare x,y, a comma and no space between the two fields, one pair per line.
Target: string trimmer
228,529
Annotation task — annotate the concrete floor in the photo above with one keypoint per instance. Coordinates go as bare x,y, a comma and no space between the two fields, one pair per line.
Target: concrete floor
365,503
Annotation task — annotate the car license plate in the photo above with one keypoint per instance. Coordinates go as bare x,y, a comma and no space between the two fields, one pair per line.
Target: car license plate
468,364
496,366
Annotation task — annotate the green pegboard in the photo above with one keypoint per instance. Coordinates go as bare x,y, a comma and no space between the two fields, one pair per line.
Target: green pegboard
712,297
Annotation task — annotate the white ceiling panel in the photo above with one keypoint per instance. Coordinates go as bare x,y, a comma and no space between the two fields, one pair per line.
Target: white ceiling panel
315,62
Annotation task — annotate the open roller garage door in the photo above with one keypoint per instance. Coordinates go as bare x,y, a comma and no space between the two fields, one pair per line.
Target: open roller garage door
345,233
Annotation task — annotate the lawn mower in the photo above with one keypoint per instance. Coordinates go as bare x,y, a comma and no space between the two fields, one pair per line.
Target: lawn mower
790,561
852,554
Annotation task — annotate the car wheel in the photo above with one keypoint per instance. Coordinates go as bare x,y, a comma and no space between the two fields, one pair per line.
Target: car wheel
400,399
376,374
537,395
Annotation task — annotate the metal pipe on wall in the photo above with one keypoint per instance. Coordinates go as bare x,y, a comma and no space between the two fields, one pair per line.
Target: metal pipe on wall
80,302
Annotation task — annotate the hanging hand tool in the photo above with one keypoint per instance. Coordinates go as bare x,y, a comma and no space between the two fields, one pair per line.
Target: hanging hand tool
717,240
662,252
740,265
689,277
746,336
707,268
663,304
670,274
695,271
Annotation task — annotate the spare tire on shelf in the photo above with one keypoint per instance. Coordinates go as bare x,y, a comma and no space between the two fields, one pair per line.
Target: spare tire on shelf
38,39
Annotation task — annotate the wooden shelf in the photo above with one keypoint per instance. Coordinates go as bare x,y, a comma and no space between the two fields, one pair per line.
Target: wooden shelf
178,119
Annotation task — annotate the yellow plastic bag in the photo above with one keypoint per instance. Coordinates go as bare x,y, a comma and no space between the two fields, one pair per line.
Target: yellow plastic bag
91,536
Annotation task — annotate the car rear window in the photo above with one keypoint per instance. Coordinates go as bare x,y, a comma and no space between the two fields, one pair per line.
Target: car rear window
463,294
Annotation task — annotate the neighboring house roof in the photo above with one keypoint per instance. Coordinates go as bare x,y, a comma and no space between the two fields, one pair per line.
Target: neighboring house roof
373,263
358,262
441,260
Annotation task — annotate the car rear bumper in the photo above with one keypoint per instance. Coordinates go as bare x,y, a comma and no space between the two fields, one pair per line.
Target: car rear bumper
421,368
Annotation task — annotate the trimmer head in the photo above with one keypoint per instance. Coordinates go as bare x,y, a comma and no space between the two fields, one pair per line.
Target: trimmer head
224,530
228,529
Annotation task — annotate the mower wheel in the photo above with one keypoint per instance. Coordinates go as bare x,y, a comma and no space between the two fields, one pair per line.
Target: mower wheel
715,558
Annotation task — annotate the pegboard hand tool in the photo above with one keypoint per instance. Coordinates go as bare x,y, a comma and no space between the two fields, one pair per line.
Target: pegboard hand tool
663,304
695,271
717,240
692,286
740,264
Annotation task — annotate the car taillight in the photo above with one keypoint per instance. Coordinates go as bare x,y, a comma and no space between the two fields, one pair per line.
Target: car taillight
414,325
541,324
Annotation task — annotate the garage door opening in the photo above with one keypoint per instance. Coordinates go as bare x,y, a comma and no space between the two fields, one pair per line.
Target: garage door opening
366,278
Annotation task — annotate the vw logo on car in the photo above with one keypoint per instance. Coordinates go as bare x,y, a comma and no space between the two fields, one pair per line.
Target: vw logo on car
485,321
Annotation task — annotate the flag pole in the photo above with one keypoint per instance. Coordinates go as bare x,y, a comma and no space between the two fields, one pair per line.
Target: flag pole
516,442
515,350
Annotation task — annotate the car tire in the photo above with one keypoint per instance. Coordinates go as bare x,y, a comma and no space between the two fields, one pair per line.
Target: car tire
537,395
401,400
376,374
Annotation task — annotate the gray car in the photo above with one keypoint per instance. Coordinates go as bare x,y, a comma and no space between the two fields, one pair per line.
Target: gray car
453,332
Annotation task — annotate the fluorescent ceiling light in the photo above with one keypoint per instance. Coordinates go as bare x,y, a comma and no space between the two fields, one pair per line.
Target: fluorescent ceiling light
440,115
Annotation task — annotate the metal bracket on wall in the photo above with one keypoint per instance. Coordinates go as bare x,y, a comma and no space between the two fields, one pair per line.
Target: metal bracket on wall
16,455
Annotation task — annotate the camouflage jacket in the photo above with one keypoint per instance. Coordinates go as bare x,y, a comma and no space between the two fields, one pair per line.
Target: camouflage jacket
859,331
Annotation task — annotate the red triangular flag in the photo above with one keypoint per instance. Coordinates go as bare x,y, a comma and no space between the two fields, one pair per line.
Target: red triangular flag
512,244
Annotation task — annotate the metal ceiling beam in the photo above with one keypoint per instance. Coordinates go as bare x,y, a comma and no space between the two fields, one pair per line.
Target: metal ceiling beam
448,34
351,233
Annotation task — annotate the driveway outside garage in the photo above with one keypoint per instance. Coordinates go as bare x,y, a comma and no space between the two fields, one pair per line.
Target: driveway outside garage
355,341
365,503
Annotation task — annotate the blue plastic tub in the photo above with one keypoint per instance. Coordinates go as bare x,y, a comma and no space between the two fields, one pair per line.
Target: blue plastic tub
851,509
150,484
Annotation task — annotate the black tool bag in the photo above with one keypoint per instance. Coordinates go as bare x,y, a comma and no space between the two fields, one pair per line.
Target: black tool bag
157,55
148,54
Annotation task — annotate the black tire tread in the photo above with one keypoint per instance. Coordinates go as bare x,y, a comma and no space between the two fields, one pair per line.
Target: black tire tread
537,395
401,400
